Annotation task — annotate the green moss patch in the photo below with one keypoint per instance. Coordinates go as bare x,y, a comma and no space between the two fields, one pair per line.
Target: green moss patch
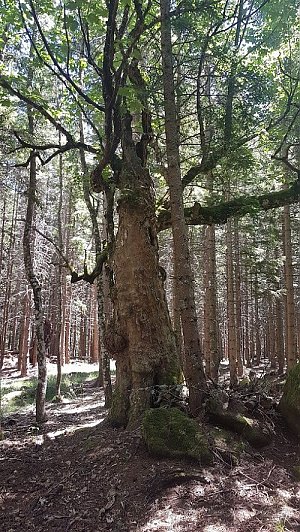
253,431
170,433
290,402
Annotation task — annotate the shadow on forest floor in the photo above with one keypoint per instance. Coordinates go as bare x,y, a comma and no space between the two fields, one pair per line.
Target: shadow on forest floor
79,474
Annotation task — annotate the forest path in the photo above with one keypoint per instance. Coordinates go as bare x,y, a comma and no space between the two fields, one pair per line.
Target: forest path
79,474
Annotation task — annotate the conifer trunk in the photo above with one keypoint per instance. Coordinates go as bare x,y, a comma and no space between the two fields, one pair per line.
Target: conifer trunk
192,356
231,317
291,338
211,333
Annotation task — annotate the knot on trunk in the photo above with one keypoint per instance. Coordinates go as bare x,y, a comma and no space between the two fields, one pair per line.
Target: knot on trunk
114,341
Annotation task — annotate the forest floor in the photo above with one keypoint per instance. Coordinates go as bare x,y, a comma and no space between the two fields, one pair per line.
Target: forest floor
79,474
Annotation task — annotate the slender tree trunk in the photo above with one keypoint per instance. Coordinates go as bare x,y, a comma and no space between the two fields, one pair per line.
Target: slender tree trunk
271,332
192,356
279,338
257,322
59,316
104,284
2,233
291,342
24,343
246,343
8,282
212,351
231,318
36,288
68,290
238,299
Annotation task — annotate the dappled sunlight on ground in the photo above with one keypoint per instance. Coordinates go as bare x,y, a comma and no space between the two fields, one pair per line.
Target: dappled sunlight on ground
222,502
76,473
73,428
77,408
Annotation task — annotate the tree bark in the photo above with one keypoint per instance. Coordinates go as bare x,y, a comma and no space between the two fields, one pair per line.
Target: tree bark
291,338
37,291
192,356
231,316
59,287
140,335
8,281
220,213
211,332
238,299
24,343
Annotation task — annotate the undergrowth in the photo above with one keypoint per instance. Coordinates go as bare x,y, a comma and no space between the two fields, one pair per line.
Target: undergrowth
22,393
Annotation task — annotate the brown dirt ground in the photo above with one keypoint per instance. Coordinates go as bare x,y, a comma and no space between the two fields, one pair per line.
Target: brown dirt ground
79,474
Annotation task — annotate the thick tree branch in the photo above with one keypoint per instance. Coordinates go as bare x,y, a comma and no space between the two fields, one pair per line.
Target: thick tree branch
219,214
90,277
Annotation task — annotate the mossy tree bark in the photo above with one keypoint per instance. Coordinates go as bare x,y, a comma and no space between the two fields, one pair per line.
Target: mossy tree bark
140,336
238,207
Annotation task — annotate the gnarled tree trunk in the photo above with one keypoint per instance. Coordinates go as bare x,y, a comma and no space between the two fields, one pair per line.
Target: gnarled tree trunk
140,336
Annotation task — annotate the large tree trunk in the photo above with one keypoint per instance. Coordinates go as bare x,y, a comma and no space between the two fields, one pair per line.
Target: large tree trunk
140,335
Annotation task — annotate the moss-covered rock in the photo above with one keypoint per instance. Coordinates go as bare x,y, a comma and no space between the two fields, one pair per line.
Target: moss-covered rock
227,445
290,402
170,433
256,433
